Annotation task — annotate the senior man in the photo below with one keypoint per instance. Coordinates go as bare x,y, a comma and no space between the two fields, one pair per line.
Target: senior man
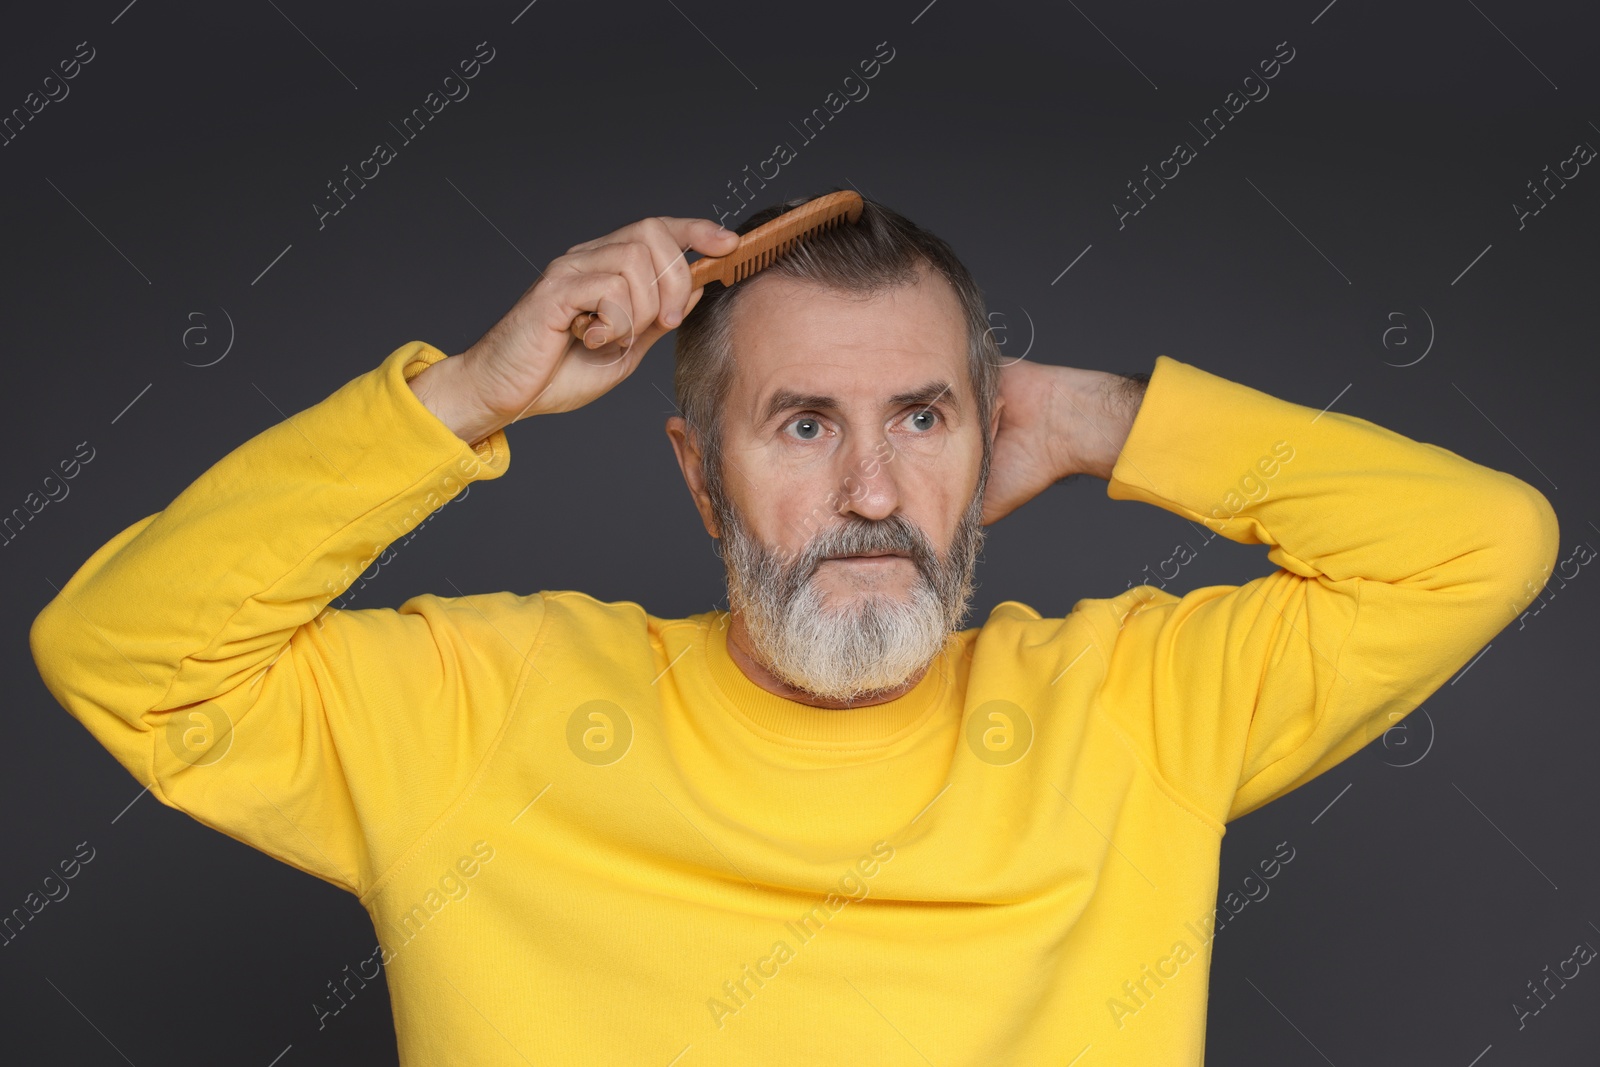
828,825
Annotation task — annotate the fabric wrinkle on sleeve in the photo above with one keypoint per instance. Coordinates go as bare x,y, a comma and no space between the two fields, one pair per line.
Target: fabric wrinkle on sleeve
1396,562
197,647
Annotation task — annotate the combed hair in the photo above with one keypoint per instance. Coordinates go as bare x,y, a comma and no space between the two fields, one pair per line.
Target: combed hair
882,250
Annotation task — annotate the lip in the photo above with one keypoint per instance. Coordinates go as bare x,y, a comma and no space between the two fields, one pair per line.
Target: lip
868,557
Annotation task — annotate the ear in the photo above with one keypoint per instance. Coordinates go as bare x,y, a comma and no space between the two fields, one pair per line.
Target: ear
994,420
685,445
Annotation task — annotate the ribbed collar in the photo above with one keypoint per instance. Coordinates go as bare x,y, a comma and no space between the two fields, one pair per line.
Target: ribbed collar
790,722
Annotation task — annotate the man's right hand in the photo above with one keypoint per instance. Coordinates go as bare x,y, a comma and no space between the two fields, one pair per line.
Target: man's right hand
634,278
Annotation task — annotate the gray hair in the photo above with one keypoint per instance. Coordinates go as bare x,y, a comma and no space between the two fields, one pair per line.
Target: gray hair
882,250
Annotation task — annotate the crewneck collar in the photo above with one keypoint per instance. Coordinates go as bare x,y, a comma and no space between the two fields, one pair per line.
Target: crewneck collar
790,722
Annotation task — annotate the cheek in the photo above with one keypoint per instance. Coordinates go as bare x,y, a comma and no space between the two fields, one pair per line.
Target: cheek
786,507
937,447
795,483
944,469
935,495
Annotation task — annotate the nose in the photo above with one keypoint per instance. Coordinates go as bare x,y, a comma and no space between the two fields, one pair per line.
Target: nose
866,479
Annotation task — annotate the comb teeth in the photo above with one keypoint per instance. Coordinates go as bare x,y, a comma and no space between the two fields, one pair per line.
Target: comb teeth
770,256
826,212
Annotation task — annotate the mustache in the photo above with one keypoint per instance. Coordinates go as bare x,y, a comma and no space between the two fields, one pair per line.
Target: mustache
862,537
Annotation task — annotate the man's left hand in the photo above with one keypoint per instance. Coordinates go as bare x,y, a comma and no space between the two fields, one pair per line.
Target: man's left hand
1055,422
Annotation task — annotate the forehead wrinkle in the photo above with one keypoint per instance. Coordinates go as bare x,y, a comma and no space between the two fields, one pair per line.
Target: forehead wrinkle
838,344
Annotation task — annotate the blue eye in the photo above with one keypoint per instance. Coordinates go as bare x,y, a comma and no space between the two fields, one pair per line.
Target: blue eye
807,428
924,419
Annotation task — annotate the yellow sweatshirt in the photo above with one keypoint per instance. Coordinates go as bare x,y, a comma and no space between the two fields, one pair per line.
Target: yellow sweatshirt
584,836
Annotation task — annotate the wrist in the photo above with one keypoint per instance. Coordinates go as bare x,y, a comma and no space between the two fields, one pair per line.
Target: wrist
447,390
1094,423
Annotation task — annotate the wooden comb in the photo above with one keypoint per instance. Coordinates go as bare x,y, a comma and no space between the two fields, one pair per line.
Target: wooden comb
762,246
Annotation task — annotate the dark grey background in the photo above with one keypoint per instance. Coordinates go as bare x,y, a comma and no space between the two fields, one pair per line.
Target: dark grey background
1436,872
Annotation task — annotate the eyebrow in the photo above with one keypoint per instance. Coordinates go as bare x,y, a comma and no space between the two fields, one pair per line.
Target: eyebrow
787,399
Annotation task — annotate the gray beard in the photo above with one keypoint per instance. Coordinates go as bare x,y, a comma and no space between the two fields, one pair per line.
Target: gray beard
867,648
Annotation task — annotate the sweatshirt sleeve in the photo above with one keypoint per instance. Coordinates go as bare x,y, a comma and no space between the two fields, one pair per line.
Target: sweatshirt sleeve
197,645
1397,561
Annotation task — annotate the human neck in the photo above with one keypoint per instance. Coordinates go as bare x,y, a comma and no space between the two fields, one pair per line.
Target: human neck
739,646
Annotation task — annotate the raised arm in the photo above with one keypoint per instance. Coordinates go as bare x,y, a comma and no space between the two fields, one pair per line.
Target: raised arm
1397,562
197,646
194,645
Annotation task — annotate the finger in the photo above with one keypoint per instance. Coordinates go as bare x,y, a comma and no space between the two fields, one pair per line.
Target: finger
672,272
703,236
569,295
667,238
605,293
635,263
